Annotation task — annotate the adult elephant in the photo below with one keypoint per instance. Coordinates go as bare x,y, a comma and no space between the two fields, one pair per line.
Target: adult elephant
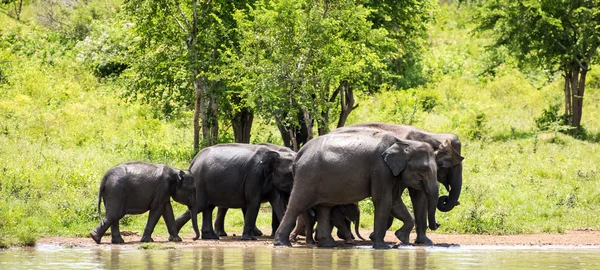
138,187
448,155
344,168
222,211
238,176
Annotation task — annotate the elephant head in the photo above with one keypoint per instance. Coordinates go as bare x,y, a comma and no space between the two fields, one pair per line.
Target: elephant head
277,167
184,192
449,163
414,162
351,212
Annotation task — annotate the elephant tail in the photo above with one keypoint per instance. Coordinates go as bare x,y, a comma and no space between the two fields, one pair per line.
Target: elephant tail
100,194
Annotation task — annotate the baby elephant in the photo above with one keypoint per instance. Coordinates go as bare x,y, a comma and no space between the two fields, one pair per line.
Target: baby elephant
341,218
136,187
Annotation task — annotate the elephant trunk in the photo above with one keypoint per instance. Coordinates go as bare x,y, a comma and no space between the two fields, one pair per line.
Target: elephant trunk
356,224
194,212
432,199
447,203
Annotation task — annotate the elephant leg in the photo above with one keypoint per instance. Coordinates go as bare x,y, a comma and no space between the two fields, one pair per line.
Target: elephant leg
324,227
151,223
250,221
339,221
347,226
170,222
419,201
309,225
115,233
400,211
389,224
255,231
278,203
297,230
274,223
207,228
297,205
99,231
182,219
383,207
220,221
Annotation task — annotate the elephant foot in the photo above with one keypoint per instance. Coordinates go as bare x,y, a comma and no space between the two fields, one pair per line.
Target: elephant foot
210,236
381,246
175,238
221,233
278,242
403,236
117,240
372,236
423,240
350,242
94,235
293,237
257,232
146,239
249,237
329,242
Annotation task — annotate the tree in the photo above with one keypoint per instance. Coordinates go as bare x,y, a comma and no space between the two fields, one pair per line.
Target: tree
190,36
558,35
298,57
17,7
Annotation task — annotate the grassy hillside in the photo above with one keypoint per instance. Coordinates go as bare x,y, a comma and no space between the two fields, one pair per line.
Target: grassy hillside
517,179
61,129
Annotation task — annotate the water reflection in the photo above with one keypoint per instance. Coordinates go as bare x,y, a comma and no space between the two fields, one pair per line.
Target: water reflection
112,257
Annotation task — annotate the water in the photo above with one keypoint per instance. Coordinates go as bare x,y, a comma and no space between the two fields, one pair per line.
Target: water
258,257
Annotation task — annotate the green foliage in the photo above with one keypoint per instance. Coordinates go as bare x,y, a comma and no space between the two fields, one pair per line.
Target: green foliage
3,243
552,35
548,33
106,50
62,130
73,19
550,120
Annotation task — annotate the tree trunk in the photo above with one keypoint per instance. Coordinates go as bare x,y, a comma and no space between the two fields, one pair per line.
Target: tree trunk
323,122
574,91
285,136
346,102
578,97
242,125
213,119
197,109
568,109
306,127
18,9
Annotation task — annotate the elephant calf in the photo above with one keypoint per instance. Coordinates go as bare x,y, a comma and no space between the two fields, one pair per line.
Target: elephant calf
136,187
341,217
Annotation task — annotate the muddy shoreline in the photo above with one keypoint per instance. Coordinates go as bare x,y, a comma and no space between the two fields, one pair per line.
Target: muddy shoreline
582,237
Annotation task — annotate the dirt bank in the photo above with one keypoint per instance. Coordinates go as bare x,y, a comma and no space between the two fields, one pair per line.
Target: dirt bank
584,237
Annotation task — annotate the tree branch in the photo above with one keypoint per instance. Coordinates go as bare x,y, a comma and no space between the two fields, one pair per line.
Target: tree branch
584,68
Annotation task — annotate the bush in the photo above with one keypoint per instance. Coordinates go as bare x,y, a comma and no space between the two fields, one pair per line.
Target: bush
550,120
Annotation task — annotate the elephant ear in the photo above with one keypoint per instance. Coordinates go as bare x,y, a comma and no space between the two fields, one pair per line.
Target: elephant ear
269,162
395,157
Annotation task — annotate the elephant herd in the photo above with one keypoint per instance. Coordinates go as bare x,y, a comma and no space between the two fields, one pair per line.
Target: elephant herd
322,182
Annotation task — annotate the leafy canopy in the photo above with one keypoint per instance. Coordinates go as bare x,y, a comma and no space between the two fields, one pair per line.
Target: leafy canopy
546,33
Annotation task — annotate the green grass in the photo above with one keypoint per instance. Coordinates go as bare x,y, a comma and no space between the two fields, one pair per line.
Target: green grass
61,129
